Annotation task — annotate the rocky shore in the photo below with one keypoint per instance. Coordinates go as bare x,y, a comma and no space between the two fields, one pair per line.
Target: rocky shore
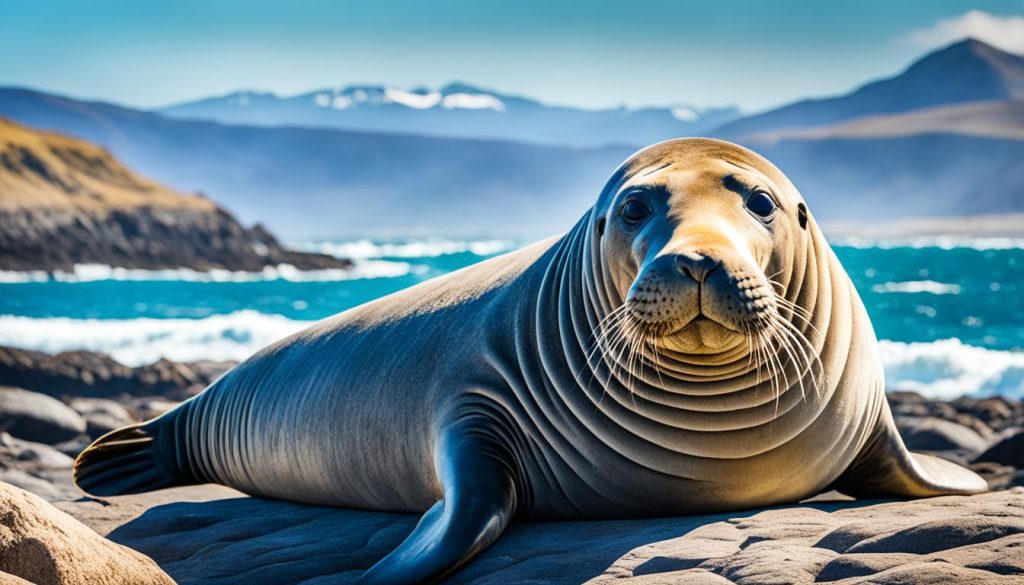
65,202
51,406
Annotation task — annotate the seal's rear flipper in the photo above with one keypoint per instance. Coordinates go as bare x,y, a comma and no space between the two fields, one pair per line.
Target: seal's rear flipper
127,461
885,467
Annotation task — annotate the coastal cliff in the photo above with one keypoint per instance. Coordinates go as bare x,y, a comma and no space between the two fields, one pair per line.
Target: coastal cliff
65,201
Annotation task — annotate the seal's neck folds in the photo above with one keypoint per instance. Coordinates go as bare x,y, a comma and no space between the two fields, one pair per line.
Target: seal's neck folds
770,376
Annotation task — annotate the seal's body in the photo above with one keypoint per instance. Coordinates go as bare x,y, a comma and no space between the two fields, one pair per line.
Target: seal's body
691,345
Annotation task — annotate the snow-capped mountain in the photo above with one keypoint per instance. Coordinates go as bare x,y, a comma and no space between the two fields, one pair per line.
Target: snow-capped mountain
456,110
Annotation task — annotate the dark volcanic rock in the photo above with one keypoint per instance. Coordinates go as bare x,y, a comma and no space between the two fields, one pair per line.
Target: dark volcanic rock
37,417
101,415
1008,451
147,238
987,416
936,434
95,375
997,412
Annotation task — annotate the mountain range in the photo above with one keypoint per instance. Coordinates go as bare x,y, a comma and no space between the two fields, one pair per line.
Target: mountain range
944,137
964,72
456,110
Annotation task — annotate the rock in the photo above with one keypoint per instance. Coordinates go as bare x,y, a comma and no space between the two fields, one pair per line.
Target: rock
935,434
987,416
997,412
95,375
40,469
44,545
73,447
36,417
12,449
101,415
999,477
977,539
147,408
9,579
902,407
1008,451
43,488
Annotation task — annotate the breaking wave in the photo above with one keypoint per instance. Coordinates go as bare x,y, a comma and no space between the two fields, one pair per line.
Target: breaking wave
136,342
949,368
362,269
940,242
917,286
431,248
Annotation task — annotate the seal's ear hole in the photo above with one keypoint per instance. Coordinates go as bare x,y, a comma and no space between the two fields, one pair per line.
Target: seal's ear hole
600,227
801,215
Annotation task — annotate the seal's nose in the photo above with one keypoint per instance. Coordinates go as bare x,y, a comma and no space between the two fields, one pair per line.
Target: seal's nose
696,266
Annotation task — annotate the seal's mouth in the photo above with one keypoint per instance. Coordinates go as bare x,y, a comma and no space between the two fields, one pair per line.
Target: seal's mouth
704,322
702,333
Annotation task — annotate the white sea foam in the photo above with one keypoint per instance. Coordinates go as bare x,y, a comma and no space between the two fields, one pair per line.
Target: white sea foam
135,342
366,249
941,242
917,286
361,269
15,277
949,368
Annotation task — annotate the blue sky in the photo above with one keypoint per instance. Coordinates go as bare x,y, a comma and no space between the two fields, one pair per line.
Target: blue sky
593,54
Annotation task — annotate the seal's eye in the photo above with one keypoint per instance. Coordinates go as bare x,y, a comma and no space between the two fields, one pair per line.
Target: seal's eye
761,204
634,211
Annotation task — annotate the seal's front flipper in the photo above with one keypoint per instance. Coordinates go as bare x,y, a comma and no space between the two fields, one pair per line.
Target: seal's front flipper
885,467
479,501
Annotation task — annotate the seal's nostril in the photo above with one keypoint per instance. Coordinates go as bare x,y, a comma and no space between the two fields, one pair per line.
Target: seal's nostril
696,266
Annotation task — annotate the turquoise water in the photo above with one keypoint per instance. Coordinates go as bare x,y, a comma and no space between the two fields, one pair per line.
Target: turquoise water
981,304
950,315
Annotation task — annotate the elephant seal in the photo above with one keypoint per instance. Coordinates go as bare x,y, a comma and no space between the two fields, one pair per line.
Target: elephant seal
692,345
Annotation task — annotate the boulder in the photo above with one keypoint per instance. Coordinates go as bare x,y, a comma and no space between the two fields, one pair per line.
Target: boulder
101,415
1008,451
997,412
43,545
935,434
15,450
38,468
36,417
147,408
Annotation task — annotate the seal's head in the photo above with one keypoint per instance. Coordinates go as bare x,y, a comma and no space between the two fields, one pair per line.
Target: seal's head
691,234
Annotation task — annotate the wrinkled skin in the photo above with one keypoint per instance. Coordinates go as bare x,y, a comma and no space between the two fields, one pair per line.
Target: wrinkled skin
696,350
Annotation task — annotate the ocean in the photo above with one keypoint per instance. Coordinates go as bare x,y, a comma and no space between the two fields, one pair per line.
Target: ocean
948,310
